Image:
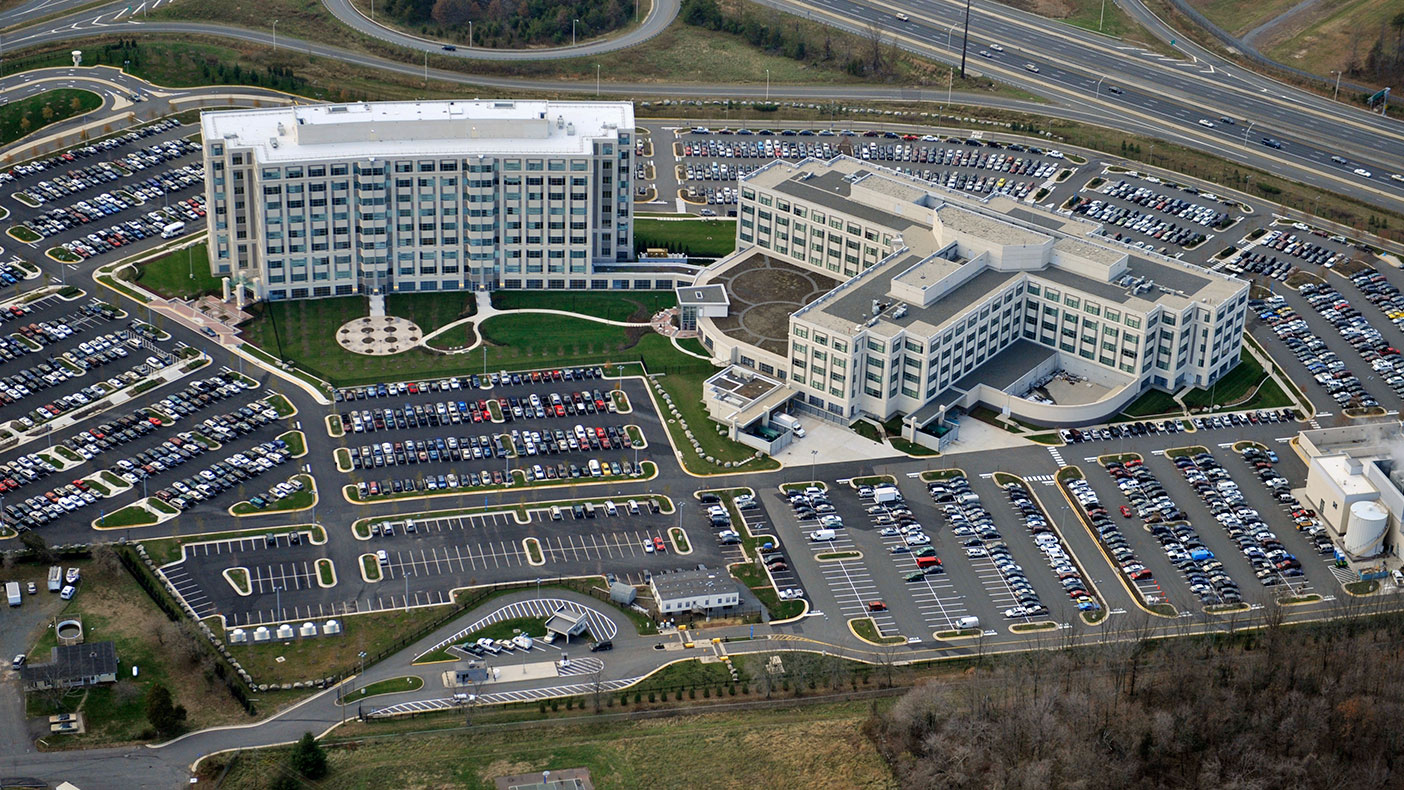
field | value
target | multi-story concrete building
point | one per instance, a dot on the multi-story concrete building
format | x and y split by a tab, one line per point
910	299
337	199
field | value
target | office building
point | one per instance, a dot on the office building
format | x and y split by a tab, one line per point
339	199
699	590
872	293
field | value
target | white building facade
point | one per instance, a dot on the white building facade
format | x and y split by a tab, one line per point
333	200
942	299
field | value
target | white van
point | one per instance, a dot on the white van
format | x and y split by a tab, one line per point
595	468
822	535
383	557
610	509
555	513
633	508
969	621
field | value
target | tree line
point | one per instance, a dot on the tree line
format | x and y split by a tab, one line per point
1307	707
784	35
512	23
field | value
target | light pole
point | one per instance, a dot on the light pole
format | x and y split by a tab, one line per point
1336	94
950	86
949	32
426	68
1103	17
597	80
767	84
1246	131
572	31
275	34
1097	94
813	461
278	597
965	39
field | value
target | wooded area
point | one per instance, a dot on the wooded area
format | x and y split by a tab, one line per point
511	23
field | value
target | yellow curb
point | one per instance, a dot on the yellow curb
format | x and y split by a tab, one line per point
847	555
1036	627
956	636
942	474
304	441
643	437
337	455
334	428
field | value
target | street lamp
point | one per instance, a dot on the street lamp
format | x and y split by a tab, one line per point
1335	95
1097	94
572	31
767	84
949	32
275	34
597	80
278	593
813	461
1246	131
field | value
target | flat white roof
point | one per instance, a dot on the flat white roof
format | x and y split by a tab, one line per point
419	128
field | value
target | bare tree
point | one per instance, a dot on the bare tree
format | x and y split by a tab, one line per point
875	57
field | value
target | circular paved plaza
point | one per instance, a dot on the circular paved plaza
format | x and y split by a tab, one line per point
764	292
377	336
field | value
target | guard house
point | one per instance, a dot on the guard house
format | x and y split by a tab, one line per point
73	666
567	623
708	301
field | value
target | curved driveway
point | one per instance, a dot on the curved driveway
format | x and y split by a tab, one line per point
662	14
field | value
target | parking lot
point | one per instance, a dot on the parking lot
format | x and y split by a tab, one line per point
710	161
120	194
1148	216
566	426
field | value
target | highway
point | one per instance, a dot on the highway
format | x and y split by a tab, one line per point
1076	70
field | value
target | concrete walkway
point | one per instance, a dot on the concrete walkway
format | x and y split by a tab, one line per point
831	443
486	311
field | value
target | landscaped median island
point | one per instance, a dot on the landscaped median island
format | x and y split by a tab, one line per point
326	572
387	686
370	568
296	441
302	498
134	515
865	629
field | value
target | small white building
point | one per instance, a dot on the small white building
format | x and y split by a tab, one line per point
701	590
1356	484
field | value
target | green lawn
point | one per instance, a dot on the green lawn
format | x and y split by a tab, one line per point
299	500
129	516
534	627
296	440
1152	402
303	332
700	238
685	388
1238	17
28	115
614	306
1232	388
324	656
387	686
170	276
432	310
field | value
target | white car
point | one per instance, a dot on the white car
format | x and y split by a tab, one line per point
1206	123
996	48
1017	611
902	18
1360	171
1033	68
648	547
917	539
791	594
976	551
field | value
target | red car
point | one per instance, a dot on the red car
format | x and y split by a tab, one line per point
1126	511
877	606
658	545
1143	573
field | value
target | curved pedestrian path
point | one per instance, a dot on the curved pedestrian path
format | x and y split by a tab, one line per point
662	14
487	311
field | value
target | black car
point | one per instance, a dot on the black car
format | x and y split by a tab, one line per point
600	647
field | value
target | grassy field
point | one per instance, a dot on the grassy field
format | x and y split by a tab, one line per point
1334	36
387	686
774	747
615	306
28	115
314	658
170	276
685	388
1238	17
113	607
680	52
702	238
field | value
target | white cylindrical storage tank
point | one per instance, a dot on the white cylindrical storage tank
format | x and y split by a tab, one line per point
331	627
261	634
238	636
1365	529
308	630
